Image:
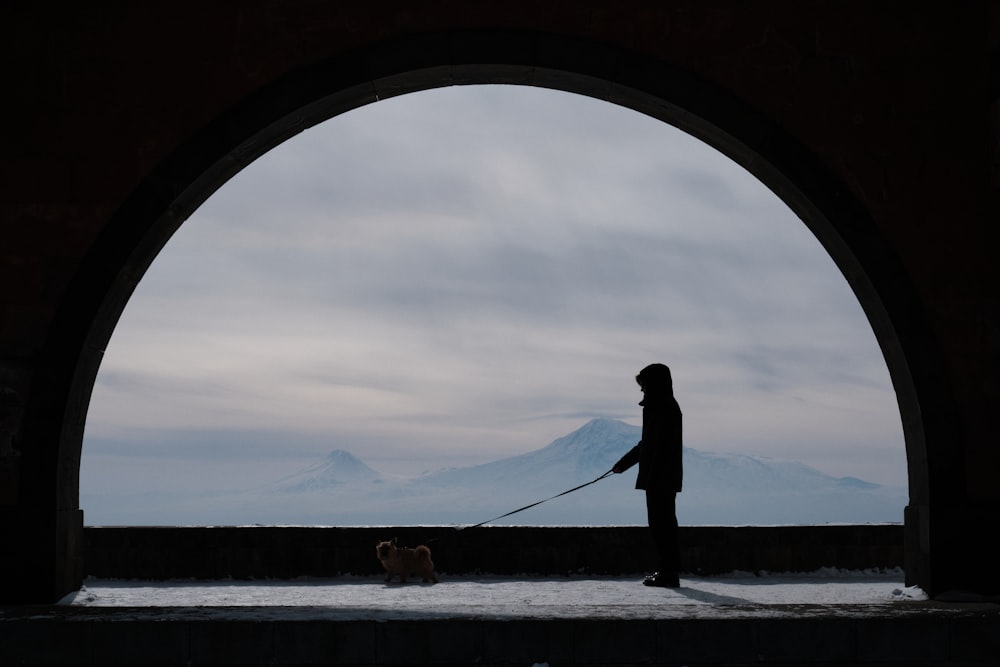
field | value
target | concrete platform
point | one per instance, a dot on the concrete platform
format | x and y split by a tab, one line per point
504	597
832	619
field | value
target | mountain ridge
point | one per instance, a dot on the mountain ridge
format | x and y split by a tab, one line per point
590	450
719	489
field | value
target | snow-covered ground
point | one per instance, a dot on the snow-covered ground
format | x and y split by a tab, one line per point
364	598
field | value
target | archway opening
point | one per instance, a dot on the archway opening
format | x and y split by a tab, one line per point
437	278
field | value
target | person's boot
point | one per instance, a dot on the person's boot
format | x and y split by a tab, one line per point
662	580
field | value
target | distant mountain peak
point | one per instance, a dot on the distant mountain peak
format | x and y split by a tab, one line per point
602	425
340	467
599	433
598	428
342	456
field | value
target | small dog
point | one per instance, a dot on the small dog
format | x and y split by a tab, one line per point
405	562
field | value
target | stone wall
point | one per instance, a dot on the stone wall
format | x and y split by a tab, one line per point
287	552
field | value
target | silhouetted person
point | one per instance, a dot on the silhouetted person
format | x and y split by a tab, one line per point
658	454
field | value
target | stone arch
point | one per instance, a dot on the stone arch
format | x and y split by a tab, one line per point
311	94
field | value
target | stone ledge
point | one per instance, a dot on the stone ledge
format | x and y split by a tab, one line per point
258	552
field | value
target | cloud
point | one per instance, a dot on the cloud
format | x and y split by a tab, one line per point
466	273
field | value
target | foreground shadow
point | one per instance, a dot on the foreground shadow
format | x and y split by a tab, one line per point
710	598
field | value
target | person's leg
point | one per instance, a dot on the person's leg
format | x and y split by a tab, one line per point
661	511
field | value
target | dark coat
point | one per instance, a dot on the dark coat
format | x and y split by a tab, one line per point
658	453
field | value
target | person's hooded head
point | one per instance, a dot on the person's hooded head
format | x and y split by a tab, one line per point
655	380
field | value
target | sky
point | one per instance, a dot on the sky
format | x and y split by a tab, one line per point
459	275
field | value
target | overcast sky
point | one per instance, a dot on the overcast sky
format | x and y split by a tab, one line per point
459	275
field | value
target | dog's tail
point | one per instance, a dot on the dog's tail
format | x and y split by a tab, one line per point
423	552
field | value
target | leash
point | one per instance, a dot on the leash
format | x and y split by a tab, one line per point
521	509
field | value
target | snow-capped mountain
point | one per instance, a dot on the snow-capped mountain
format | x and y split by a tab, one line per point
719	489
339	468
582	455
